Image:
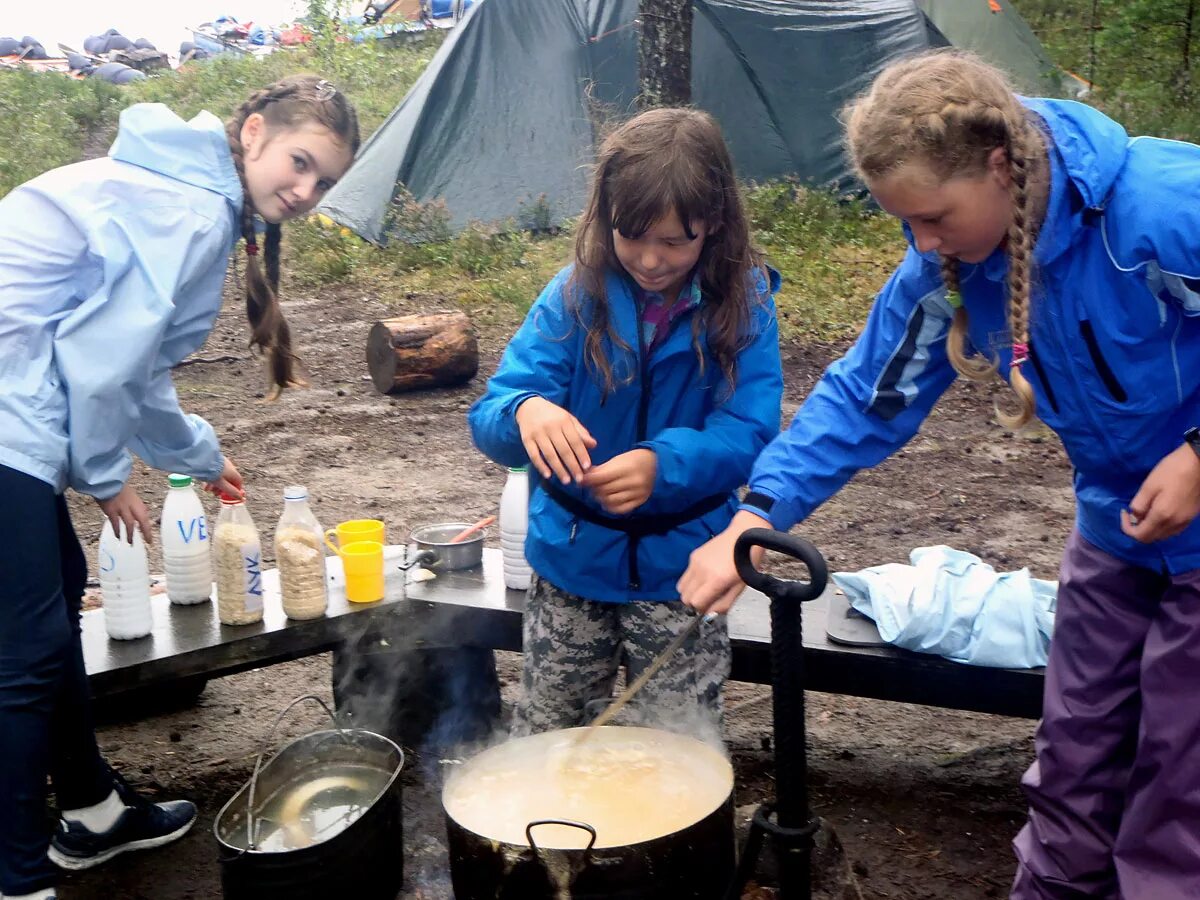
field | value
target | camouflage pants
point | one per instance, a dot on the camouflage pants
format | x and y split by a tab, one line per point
573	648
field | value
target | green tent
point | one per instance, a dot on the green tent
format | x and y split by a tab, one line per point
502	123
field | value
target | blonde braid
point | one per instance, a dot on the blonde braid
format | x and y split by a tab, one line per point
1020	258
975	366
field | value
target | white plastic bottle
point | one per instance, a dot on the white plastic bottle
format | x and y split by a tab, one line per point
187	561
238	553
300	555
125	583
514	522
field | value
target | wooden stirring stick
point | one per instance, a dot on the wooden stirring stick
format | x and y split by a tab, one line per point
471	529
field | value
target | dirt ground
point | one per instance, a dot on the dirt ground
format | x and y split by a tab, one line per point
925	800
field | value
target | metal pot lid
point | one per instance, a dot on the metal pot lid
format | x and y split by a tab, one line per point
629	784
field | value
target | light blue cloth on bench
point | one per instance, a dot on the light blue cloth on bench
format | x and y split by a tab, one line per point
952	604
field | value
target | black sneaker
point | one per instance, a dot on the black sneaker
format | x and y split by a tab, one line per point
141	826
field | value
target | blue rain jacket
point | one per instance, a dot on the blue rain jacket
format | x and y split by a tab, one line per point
704	437
1115	337
950	603
112	272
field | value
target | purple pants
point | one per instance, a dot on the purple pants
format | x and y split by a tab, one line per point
1114	794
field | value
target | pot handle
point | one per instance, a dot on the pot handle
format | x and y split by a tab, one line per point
789	544
568	822
421	558
270	740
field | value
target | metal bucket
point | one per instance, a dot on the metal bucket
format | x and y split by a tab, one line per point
321	818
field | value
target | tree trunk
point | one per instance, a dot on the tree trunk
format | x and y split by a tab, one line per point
412	352
665	53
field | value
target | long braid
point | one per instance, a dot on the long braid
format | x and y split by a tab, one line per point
1020	259
975	366
269	329
288	103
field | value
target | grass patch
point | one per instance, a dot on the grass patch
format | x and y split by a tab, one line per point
834	254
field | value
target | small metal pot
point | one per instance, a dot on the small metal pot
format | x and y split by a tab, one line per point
362	859
435	551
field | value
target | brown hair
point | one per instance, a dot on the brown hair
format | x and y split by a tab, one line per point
949	110
290	103
662	161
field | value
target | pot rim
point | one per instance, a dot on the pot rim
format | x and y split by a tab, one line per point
415	535
727	798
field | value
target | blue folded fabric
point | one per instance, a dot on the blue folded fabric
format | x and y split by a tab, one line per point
952	604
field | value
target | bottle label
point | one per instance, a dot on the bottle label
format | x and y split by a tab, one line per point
192	530
252	562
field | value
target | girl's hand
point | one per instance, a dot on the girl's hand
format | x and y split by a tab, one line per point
557	442
1167	501
624	482
126	506
711	582
229	482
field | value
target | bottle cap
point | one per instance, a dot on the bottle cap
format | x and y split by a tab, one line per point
230	500
177	480
295	492
518	468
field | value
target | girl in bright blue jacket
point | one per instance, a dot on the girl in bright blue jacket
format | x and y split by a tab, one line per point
641	386
112	271
1048	245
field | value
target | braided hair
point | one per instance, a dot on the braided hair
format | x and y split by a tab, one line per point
949	111
290	103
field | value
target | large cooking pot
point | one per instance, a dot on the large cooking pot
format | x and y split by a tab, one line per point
623	814
320	819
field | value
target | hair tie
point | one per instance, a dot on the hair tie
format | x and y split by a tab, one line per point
954	298
251	249
325	90
1020	353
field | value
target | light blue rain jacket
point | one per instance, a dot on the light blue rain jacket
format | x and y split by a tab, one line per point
950	603
703	436
1114	337
110	274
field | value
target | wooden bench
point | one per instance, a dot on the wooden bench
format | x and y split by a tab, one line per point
473	609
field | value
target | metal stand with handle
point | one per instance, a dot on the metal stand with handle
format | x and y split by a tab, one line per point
789	820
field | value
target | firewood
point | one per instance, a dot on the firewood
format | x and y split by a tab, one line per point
422	351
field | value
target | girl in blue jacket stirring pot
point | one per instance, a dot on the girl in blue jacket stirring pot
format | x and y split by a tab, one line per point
112	272
1043	223
641	386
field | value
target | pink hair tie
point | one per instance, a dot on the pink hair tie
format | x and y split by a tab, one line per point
1020	353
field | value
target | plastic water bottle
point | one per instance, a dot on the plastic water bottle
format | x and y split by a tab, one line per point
300	556
238	552
125	583
514	522
187	561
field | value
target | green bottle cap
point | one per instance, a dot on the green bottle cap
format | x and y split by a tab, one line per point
176	480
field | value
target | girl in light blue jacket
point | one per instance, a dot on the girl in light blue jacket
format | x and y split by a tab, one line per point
641	386
111	273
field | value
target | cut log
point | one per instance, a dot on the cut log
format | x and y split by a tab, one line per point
413	352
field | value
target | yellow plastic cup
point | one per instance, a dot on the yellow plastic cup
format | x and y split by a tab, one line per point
356	530
363	565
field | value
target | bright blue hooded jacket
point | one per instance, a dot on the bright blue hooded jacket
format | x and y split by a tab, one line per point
111	273
705	437
1114	336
